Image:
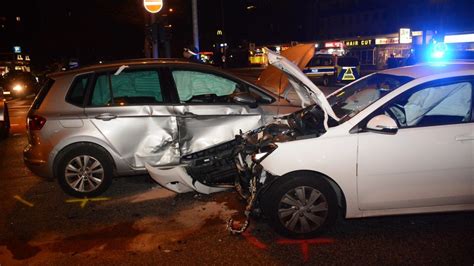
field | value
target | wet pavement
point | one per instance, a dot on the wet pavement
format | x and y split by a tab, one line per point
137	222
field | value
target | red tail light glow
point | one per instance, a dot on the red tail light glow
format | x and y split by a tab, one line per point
35	122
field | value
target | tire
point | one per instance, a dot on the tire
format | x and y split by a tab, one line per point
3	130
287	213
325	81
89	181
5	125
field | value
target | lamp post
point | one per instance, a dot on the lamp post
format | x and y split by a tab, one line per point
195	25
153	7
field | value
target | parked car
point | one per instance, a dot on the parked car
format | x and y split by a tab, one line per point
18	84
87	125
400	141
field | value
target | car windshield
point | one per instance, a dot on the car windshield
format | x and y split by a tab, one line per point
360	94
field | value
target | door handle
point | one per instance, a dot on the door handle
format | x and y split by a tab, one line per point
106	117
464	138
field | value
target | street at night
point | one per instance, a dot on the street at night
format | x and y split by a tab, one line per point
250	132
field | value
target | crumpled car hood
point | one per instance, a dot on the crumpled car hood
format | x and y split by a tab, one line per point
306	90
276	81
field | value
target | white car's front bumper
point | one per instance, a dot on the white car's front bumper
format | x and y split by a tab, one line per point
176	179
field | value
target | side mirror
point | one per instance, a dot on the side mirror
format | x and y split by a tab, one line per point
245	98
382	124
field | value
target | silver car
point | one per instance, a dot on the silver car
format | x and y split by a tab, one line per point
88	125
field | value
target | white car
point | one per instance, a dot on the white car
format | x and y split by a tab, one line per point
400	141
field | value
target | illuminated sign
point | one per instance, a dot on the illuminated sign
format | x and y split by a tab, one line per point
380	41
19	57
219	32
17	49
416	33
359	42
405	35
459	38
333	44
153	6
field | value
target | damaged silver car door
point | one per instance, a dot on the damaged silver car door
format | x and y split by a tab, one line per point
130	108
207	113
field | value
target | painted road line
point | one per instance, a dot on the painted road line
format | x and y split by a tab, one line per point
84	201
253	240
27	203
305	244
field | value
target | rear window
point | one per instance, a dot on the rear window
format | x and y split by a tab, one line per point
77	92
45	86
348	61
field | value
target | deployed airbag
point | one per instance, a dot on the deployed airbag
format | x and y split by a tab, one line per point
450	100
193	83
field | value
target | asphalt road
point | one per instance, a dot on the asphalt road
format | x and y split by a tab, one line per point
137	222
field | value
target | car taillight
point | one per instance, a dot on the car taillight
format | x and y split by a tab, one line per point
35	122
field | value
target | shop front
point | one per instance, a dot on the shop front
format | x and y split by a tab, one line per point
390	49
362	49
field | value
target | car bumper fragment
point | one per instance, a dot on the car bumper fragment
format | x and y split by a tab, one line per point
176	179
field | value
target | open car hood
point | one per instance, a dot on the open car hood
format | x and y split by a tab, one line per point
306	90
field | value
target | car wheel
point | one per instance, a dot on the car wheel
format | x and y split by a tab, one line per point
3	130
5	125
84	171
325	81
300	205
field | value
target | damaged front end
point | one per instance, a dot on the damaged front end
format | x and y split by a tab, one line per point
240	158
237	163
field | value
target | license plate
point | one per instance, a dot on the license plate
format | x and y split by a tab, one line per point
6	93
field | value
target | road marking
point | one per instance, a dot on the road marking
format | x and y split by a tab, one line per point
254	241
85	200
304	244
27	203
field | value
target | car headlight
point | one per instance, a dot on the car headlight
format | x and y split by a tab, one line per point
18	87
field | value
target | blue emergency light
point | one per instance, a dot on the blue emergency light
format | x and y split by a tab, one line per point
438	51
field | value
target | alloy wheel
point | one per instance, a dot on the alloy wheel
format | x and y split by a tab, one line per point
303	209
84	173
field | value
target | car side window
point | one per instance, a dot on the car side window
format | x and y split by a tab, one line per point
134	87
78	89
201	87
431	105
101	95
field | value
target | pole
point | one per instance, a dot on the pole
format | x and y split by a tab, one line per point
154	39
224	63
195	25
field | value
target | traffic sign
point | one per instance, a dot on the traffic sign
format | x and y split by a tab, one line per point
348	75
153	6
